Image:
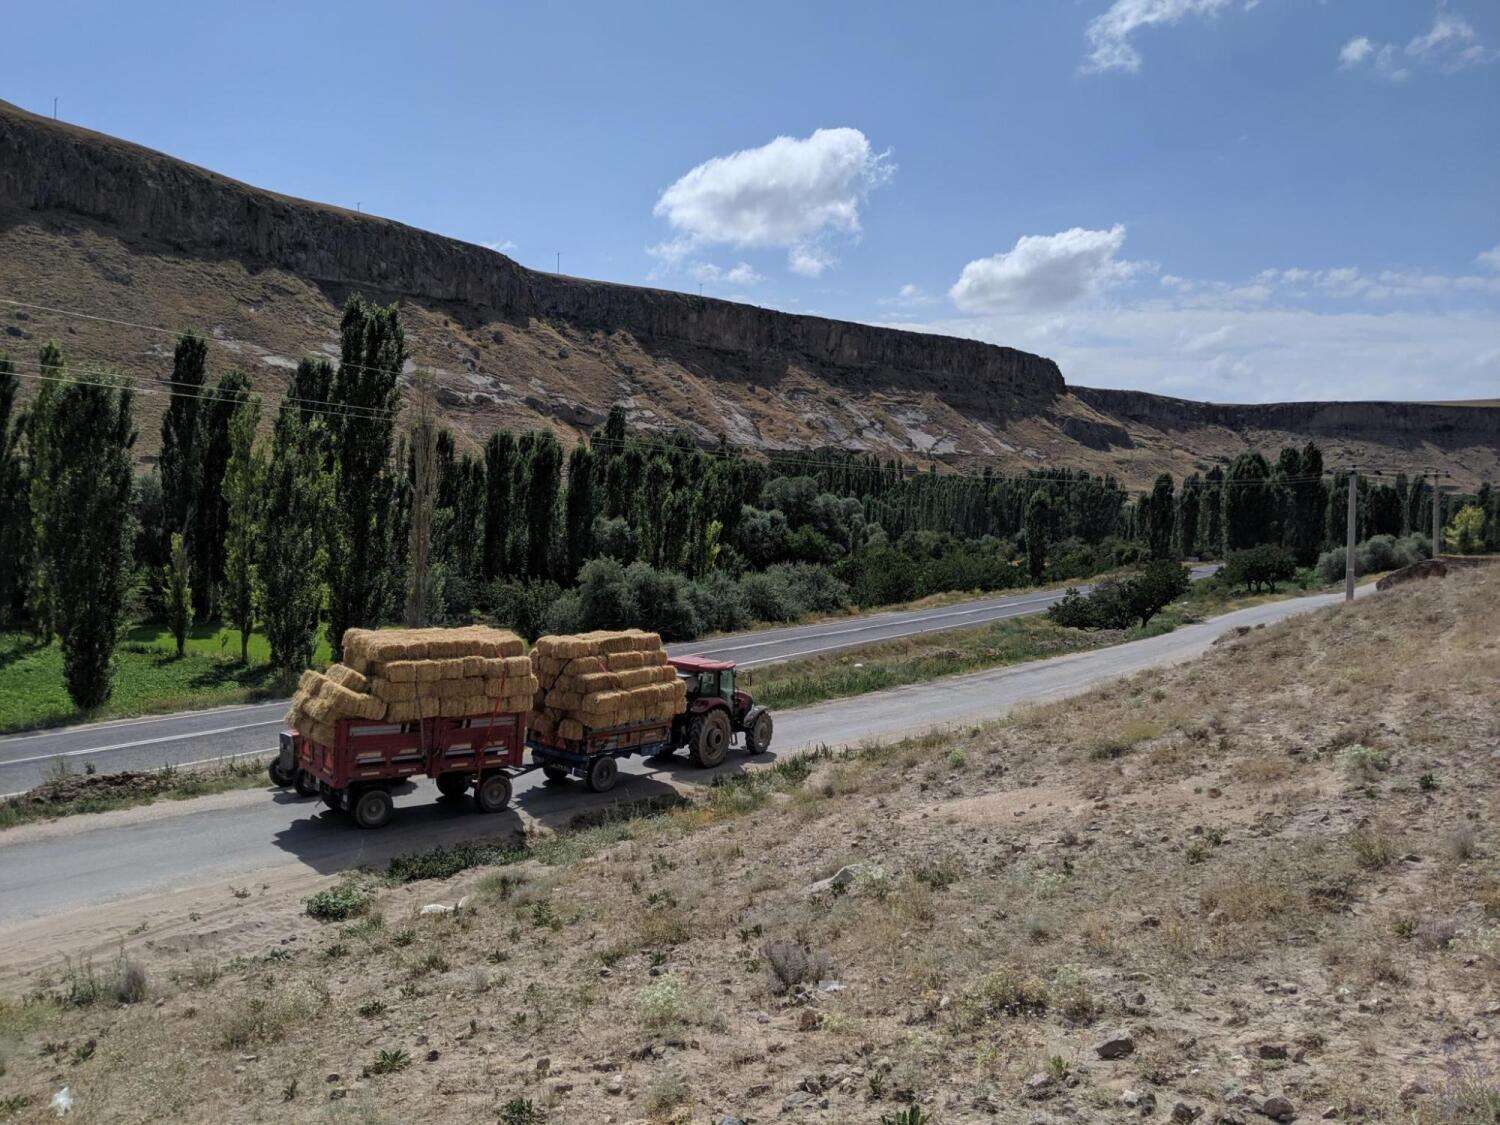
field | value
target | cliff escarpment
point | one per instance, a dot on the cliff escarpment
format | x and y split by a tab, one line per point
94	227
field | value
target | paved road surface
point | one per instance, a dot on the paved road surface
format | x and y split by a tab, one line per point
75	864
225	732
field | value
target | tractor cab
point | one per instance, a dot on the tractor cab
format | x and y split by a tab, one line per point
717	711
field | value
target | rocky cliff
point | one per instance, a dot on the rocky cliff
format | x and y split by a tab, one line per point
93	224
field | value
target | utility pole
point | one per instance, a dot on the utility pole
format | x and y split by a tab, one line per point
1437	517
54	109
559	261
1349	537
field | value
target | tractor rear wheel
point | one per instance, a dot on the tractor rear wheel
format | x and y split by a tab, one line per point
758	734
453	784
493	793
708	739
604	771
306	783
373	808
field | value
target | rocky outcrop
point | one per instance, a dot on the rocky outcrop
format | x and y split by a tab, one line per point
49	167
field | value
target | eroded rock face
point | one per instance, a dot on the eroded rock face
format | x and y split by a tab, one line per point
46	166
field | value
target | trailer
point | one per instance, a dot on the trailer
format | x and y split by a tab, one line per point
594	757
369	761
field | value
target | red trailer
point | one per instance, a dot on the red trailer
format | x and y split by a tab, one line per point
370	759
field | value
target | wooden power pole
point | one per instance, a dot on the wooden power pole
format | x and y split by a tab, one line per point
1349	537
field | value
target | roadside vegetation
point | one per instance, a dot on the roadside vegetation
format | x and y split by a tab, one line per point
1204	887
66	792
360	509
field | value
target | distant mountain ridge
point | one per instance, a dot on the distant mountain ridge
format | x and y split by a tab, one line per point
96	224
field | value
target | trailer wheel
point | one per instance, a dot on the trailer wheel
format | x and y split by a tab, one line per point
708	738
554	774
306	783
758	736
603	774
279	777
493	793
453	784
373	808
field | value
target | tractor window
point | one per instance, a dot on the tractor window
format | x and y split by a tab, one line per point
708	684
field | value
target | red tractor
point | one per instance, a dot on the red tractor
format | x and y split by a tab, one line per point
716	712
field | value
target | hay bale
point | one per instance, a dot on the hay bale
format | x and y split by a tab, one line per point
345	676
625	661
310	682
399	671
392	692
408	710
428	671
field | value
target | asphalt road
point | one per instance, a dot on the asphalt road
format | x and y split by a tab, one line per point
227	732
76	864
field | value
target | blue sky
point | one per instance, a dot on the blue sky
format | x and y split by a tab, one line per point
1238	200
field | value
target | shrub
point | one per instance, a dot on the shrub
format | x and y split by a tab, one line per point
881	575
719	603
445	861
769	596
815	588
790	964
660	1003
523	606
1002	993
349	899
1381	552
1116	603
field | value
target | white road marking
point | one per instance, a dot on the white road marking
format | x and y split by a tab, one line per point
138	742
113	723
835	648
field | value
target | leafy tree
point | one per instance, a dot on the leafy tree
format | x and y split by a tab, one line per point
311	390
1212	541
244	475
651	510
1116	603
366	393
1153	587
1189	510
289	590
1260	566
179	592
544	484
580	510
1248	502
1303	529
1466	531
1038	515
84	497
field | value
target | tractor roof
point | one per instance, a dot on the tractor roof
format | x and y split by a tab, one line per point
700	664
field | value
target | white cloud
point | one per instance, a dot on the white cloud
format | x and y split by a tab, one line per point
1490	259
908	296
739	274
504	247
1109	33
1449	45
1045	271
792	194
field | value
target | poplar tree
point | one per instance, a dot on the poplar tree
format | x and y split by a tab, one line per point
1213	511
210	510
1038	515
244	475
1304	533
178	591
544	484
580	509
1248	502
178	462
499	477
42	470
289	589
84	499
13	508
1189	509
1160	517
366	395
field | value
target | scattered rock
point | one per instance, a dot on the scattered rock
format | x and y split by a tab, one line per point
1272	1051
1183	1113
436	908
615	1084
840	878
1117	1046
807	1020
1038	1086
1278	1109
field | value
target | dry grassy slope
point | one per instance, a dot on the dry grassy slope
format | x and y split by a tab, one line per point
1271	871
93	223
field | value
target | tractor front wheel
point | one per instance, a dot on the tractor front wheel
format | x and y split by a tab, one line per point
373	808
279	777
708	739
758	734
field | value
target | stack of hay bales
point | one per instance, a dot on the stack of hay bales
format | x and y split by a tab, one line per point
404	675
602	679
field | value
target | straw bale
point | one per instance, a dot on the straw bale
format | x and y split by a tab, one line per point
409	710
570	728
398	671
391	691
310	682
515	666
625	661
644	642
345	676
428	671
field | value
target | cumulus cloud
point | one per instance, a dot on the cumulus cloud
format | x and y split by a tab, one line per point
1045	271
1490	258
503	246
739	274
793	194
909	295
1108	34
1451	44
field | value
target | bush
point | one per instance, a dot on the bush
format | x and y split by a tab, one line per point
347	900
1255	567
768	596
790	964
523	606
881	575
1381	552
661	603
718	602
1117	603
815	588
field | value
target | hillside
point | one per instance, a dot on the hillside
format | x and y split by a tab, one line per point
94	224
1260	885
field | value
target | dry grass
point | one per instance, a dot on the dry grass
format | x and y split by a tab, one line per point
1196	856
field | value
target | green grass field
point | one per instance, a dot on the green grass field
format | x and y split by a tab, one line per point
149	677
